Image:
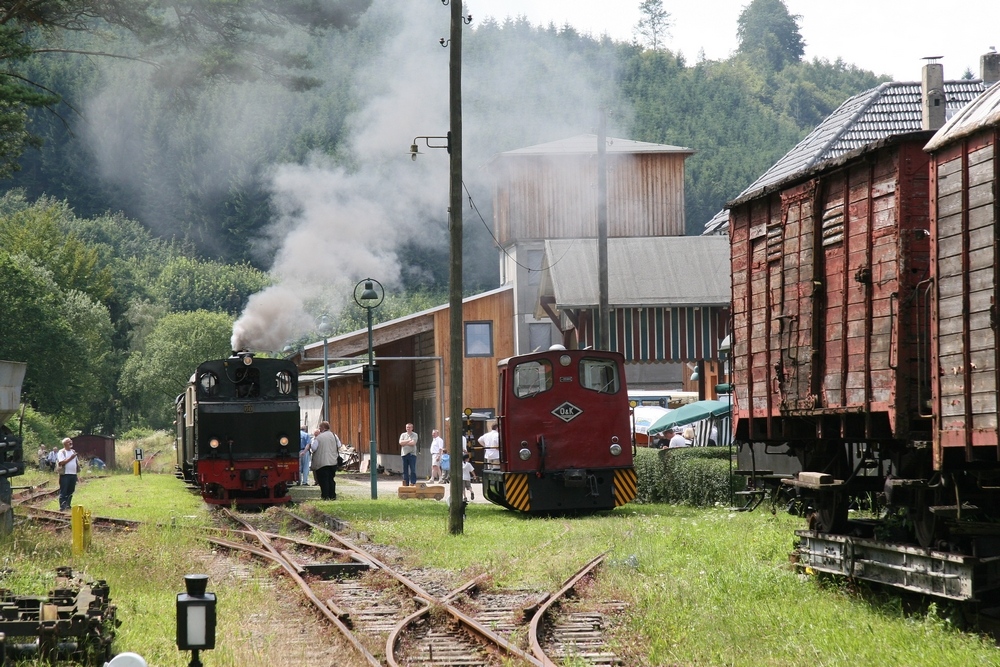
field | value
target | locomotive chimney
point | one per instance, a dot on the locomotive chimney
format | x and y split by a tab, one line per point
932	91
989	67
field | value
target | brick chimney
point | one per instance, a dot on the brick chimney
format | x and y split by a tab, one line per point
932	91
989	67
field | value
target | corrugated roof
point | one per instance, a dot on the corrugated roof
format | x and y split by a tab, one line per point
887	110
584	144
650	271
982	112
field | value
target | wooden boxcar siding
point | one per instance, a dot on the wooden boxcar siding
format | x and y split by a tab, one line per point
479	380
965	232
660	334
551	197
824	314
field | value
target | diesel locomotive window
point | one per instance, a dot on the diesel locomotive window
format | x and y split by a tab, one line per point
599	375
284	382
208	383
532	377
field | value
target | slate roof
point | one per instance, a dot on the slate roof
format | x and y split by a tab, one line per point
889	109
663	271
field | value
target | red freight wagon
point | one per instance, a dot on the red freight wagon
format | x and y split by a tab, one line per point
964	355
831	319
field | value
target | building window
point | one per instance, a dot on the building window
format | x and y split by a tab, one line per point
539	336
479	339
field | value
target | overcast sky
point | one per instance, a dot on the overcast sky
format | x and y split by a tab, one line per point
884	36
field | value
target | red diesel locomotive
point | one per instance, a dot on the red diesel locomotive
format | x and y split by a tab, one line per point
565	437
238	430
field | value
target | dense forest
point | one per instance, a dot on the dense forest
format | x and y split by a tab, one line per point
166	161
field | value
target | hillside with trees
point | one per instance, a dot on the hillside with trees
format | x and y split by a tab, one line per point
156	164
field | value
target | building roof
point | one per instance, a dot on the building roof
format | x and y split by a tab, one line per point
981	112
665	271
889	109
586	144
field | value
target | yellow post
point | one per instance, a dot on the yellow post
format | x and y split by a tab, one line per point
136	469
80	523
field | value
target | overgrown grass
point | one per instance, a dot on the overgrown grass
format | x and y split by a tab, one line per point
705	586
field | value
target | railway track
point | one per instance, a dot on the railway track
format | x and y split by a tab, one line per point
398	618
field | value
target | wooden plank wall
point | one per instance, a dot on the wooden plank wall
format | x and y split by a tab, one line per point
480	376
818	282
965	264
550	197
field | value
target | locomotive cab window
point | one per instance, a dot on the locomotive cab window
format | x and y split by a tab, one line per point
209	384
599	375
532	377
247	383
284	382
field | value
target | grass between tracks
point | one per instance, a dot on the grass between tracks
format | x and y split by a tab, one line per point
706	586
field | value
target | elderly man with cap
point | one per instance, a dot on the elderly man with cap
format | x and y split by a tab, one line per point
676	439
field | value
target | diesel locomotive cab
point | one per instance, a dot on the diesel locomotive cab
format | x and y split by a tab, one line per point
565	436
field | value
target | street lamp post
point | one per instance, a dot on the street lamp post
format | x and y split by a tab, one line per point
324	330
368	297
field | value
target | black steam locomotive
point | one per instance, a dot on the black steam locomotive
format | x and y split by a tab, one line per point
237	430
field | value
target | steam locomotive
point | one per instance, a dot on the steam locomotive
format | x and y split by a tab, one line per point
565	437
865	351
237	430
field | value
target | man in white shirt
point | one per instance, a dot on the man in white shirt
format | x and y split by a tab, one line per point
437	449
676	439
68	467
491	444
408	452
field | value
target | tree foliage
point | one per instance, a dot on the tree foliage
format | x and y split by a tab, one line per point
157	372
654	24
769	35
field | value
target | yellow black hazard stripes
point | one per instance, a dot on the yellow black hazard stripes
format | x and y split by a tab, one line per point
516	491
625	486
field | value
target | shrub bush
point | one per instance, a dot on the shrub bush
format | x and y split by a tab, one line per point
696	476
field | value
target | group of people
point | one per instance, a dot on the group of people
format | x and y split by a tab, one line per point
673	437
65	461
320	453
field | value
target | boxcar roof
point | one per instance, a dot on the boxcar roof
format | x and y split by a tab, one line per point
981	112
651	271
892	108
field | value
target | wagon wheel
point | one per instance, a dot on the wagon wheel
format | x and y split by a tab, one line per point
927	528
831	513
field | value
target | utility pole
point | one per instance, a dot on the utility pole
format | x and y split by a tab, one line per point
456	519
604	310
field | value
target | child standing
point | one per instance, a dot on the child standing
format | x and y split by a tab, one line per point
468	474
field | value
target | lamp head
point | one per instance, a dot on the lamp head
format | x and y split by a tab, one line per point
414	151
369	294
695	377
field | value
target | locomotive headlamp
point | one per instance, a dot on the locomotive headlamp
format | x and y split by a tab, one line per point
283	441
564	360
214	443
525	453
247	360
616	449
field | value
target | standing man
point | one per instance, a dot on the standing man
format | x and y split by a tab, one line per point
408	450
491	445
68	468
437	449
325	451
305	455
